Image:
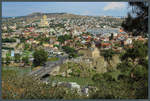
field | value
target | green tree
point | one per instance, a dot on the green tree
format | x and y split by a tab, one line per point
3	59
17	57
40	57
125	68
139	51
108	54
25	60
134	68
8	59
71	51
56	46
8	40
137	24
111	37
137	19
26	46
98	78
63	38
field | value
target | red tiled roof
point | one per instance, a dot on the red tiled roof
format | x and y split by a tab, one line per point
25	31
105	44
121	30
31	39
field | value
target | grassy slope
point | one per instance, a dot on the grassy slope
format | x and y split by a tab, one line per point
79	80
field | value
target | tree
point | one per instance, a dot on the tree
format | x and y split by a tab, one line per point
56	46
137	20
17	57
125	68
140	72
71	51
8	59
88	45
135	68
40	57
98	78
63	38
111	37
139	51
8	40
3	59
25	60
133	57
26	46
108	54
44	39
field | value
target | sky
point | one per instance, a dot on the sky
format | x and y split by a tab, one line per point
13	9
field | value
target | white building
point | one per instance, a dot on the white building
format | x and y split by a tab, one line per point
12	53
115	34
85	91
128	41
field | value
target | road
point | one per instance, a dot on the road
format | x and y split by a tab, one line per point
44	70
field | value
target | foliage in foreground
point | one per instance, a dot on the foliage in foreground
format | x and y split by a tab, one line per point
27	88
137	19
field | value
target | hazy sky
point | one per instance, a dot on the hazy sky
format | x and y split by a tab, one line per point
11	9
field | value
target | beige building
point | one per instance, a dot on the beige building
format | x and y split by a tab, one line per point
95	52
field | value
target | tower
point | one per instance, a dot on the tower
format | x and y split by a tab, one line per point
95	52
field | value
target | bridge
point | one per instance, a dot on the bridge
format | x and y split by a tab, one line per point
47	68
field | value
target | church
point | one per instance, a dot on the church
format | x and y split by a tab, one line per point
44	21
92	52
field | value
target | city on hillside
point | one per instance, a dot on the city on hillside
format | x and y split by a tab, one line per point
72	56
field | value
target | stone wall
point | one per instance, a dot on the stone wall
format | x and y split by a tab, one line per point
55	71
98	63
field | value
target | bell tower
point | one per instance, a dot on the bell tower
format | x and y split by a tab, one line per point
95	52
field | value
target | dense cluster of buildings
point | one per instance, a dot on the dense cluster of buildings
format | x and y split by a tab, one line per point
84	31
